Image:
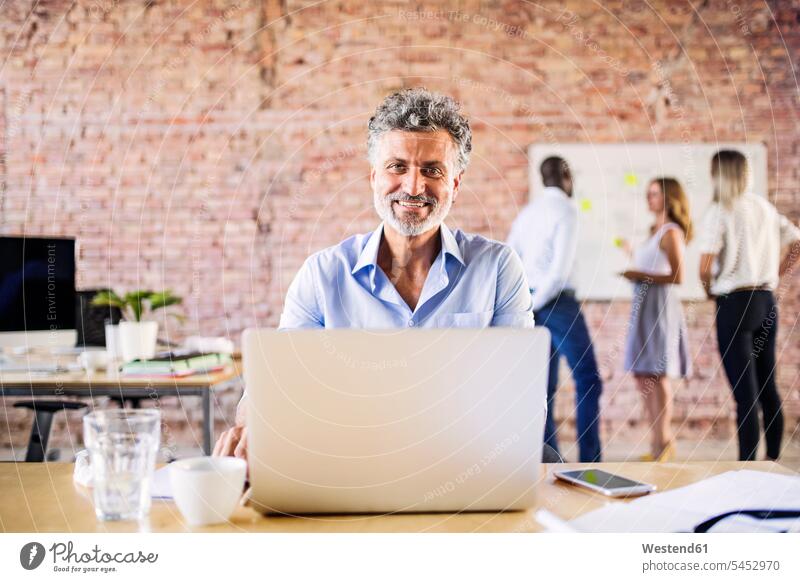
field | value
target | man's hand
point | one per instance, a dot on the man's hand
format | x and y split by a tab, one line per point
232	443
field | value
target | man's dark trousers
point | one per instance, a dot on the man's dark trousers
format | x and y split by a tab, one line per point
570	338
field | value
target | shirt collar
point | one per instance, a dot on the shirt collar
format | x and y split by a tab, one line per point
369	254
556	191
450	245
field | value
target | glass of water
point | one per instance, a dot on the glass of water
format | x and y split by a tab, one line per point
122	448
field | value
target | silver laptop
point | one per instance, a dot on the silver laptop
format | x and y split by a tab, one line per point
356	421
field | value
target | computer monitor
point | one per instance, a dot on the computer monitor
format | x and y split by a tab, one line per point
37	292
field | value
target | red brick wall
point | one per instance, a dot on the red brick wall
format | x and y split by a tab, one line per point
209	146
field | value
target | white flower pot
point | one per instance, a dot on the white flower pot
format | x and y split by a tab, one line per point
137	339
112	342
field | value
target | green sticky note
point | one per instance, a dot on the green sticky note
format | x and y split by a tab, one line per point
631	179
585	204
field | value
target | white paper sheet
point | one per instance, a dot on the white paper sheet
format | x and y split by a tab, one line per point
161	488
683	508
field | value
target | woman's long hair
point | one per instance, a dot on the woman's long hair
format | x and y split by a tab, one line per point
676	205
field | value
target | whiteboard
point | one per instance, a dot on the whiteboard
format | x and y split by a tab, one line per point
610	186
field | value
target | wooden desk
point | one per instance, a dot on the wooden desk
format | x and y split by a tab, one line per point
39	497
113	384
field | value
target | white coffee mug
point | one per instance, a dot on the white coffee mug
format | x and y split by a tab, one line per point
207	489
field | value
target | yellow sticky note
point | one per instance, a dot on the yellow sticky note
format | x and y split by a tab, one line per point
585	204
617	242
631	179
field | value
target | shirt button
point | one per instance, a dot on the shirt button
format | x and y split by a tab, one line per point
410	323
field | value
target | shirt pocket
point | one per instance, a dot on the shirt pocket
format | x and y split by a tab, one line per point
477	319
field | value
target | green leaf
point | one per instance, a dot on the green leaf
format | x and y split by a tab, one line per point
108	299
135	304
137	301
164	299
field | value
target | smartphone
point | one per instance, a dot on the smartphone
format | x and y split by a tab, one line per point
605	483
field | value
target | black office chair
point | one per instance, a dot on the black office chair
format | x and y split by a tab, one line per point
550	455
90	323
44	410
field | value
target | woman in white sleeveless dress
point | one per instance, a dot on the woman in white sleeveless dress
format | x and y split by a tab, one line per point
657	346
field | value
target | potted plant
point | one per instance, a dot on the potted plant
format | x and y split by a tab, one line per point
136	336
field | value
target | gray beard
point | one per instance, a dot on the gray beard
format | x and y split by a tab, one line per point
411	227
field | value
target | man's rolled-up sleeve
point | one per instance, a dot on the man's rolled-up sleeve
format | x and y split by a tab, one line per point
512	306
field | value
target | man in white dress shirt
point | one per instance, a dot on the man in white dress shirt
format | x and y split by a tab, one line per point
545	236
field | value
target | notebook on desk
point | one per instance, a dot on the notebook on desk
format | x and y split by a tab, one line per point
11	366
176	364
37	369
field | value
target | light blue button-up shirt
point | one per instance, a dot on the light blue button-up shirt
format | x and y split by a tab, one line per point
473	282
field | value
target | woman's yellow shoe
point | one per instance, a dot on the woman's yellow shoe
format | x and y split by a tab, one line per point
647	458
667	453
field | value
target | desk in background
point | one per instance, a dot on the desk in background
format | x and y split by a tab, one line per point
41	497
16	384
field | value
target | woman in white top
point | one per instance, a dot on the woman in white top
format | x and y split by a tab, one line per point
657	345
740	266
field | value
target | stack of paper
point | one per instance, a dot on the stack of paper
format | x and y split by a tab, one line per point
683	508
177	364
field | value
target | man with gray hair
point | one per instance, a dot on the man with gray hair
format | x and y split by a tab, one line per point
412	270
